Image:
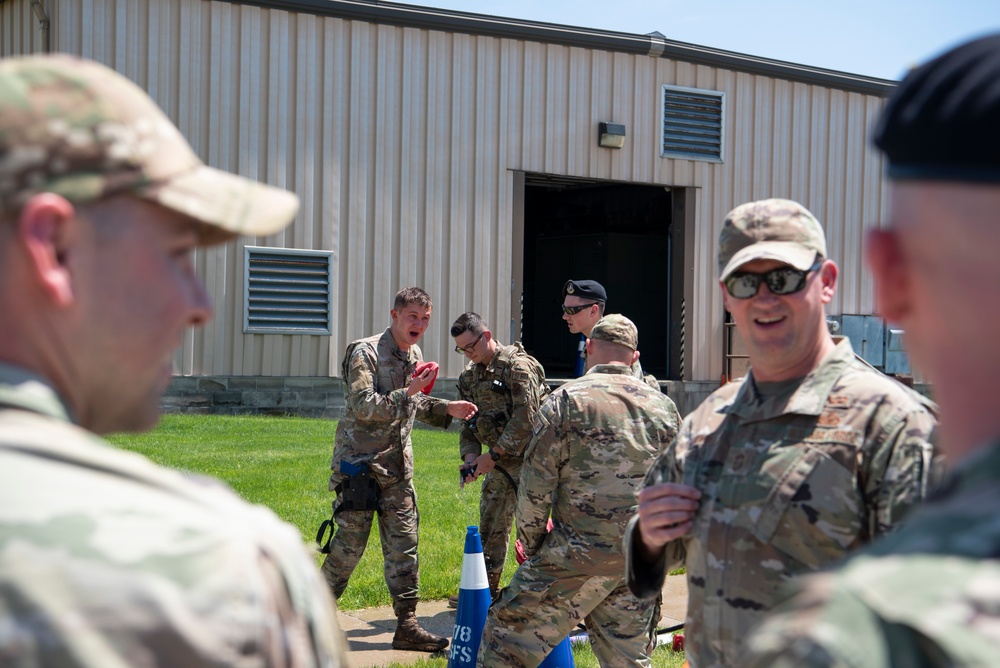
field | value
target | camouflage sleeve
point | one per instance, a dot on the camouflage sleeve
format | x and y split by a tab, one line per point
645	578
897	475
365	401
647	378
432	410
307	632
674	418
543	458
468	440
526	393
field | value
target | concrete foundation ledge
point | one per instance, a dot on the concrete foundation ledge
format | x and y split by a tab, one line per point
322	397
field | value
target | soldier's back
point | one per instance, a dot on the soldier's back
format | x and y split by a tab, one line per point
612	397
613	426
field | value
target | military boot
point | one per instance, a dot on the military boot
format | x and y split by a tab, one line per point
410	636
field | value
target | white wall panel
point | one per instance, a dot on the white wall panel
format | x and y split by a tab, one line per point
402	142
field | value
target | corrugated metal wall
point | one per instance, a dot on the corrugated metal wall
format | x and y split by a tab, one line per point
402	144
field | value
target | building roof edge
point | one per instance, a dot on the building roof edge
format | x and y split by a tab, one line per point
653	44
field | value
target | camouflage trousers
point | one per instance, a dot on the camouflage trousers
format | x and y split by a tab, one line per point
497	503
398	520
544	602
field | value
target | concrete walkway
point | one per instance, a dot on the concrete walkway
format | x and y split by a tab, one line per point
369	631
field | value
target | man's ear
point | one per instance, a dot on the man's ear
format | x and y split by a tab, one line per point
888	264
47	230
635	357
828	274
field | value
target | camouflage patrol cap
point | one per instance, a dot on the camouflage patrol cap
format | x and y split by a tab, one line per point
81	130
616	328
770	229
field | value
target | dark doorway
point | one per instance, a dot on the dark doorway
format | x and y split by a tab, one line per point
617	234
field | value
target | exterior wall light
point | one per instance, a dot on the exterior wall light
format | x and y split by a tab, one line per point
611	135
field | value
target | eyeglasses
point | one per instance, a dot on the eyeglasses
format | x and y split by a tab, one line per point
468	350
573	310
780	281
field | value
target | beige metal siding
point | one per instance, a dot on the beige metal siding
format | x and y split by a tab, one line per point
20	32
403	144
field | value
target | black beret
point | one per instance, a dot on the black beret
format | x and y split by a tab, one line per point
943	121
585	289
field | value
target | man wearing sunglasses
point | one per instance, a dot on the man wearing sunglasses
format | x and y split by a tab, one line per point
927	595
785	471
583	305
507	385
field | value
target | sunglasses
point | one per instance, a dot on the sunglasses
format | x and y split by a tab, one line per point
780	281
573	310
469	349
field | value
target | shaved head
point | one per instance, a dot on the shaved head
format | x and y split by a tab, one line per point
937	271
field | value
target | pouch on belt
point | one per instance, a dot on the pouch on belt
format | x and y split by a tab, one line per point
358	490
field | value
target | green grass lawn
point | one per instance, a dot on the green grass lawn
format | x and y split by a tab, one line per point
284	463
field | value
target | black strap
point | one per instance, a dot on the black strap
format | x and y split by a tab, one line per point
510	479
324	547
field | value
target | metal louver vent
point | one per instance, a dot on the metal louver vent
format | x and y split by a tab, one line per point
692	123
288	291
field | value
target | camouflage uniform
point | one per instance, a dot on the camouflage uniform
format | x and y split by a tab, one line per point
503	421
593	440
647	378
929	594
109	560
375	432
789	485
923	597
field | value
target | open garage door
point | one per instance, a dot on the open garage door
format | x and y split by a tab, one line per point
616	233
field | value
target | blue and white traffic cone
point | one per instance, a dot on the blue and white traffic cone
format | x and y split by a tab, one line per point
473	603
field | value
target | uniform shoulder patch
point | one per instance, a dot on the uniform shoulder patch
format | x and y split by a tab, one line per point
540	423
547	412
